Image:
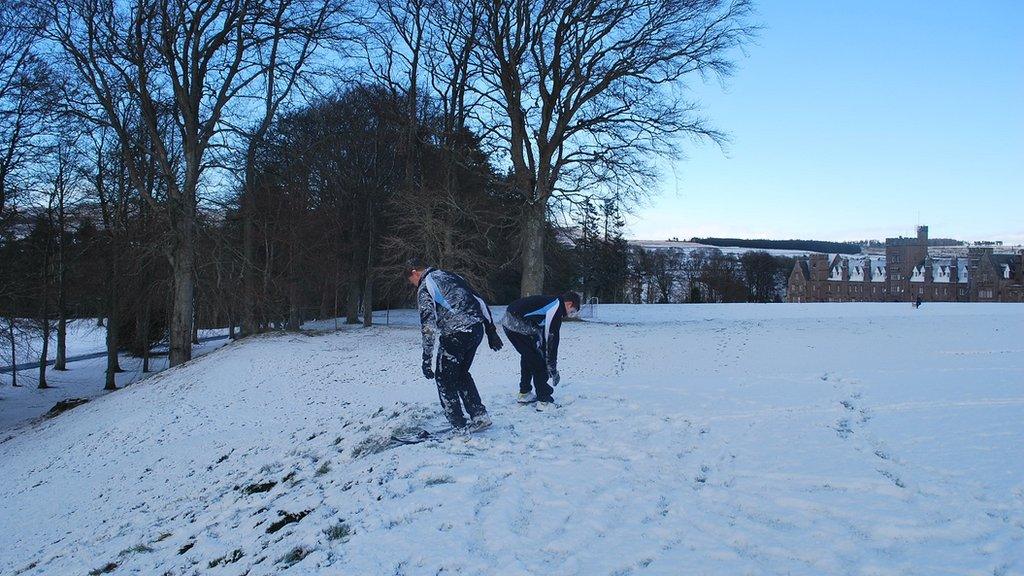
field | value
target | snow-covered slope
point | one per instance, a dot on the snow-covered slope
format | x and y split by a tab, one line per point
687	247
85	376
717	439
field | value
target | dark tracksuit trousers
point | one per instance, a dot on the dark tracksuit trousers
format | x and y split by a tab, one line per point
455	385
532	365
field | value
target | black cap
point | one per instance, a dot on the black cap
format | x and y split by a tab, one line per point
573	297
414	263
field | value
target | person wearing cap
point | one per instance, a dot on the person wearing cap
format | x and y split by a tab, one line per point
531	325
458	314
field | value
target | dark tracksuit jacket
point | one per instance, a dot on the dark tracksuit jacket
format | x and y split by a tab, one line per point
459	316
532	324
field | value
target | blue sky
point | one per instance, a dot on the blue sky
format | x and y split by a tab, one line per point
860	119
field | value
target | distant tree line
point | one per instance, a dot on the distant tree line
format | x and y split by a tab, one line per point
171	165
666	276
809	245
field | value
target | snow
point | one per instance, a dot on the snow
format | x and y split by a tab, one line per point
83	379
857	268
688	247
690	439
83	337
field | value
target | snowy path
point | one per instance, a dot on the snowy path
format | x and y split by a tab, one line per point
733	439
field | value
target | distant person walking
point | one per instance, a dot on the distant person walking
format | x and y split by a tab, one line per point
532	325
450	307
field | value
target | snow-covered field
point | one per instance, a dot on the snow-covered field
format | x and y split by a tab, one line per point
695	439
83	379
83	337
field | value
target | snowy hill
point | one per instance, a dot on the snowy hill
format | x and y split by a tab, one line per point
687	247
697	439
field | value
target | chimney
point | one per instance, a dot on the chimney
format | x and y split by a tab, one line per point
922	235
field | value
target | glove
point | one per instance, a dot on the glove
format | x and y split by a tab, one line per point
428	372
555	377
493	340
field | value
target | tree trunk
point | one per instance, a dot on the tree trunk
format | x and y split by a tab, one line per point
534	228
45	317
368	283
248	258
352	302
46	350
113	322
145	337
183	269
294	313
62	313
325	301
14	350
112	335
62	338
142	325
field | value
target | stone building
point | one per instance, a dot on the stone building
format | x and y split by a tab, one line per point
907	272
902	255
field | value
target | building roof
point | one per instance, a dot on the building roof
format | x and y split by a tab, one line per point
873	266
878	271
1006	264
942	270
804	269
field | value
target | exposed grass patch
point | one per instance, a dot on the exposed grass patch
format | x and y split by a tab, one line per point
440	480
339	531
370	445
106	569
234	556
324	468
286	519
258	488
137	549
296	555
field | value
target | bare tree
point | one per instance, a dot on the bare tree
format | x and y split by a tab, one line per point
664	275
62	174
585	92
759	269
296	30
191	58
22	77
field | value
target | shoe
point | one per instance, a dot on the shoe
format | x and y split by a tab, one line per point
542	406
526	397
481	422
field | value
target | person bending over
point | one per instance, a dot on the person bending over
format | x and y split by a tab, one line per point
458	314
532	324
